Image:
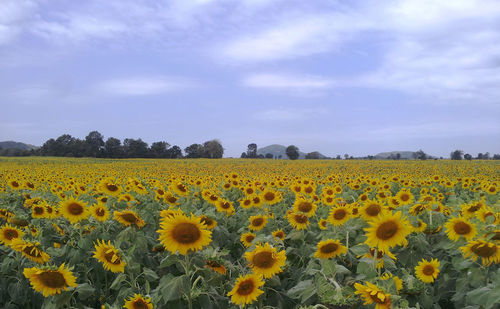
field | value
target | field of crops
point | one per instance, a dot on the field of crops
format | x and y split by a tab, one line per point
85	233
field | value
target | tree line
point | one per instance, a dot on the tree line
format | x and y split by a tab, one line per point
95	146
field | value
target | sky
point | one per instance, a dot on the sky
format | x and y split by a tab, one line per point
356	77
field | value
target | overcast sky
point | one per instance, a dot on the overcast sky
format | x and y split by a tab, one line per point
357	77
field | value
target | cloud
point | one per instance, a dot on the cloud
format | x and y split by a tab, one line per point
290	114
139	86
14	15
287	82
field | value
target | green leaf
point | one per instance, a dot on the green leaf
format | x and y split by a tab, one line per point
85	290
150	274
172	288
118	280
168	261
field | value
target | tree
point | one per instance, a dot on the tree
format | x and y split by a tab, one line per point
292	152
479	156
174	152
338	157
194	151
252	151
269	156
113	148
213	149
159	149
420	155
313	155
456	155
467	157
243	155
496	156
346	156
94	143
135	148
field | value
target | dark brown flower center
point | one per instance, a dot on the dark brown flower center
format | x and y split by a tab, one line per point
299	218
377	300
246	287
53	279
339	214
139	304
39	210
263	259
100	212
32	251
249	238
305	206
75	209
206	220
129	217
462	228
186	233
428	270
405	197
329	248
181	187
387	230
257	221
110	256
10	234
269	196
373	210
484	250
112	187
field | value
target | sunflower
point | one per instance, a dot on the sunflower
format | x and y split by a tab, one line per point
305	206
171	199
265	260
138	302
109	256
257	223
278	234
456	227
387	231
398	283
427	271
489	252
329	248
180	189
372	294
217	267
380	256
110	187
247	238
298	220
8	233
371	210
128	217
38	211
224	206
421	226
74	210
100	212
246	289
246	203
271	197
182	233
322	224
405	197
338	215
30	250
50	281
209	222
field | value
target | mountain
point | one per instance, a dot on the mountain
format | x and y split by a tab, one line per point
280	150
16	145
404	155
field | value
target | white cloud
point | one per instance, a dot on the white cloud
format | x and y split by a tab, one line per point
287	82
290	114
14	14
142	86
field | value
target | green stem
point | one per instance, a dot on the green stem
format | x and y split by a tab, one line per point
187	269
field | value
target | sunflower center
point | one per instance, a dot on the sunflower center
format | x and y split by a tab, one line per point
405	197
246	287
52	278
100	212
279	235
225	205
75	209
15	184
112	187
462	228
269	196
160	192
171	199
380	254
339	214
484	250
10	234
263	259
104	199
387	230
39	210
300	218
375	298
305	206
474	208
129	217
257	221
181	187
249	238
110	256
428	270
373	210
308	189
329	248
207	221
32	251
186	233
139	304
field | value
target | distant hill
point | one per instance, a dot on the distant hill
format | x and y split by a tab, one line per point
280	150
404	155
16	145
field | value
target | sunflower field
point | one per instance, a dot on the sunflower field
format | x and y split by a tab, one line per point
229	233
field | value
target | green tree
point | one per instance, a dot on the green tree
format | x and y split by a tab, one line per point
159	149
113	148
292	152
94	143
252	150
194	151
313	155
456	155
213	149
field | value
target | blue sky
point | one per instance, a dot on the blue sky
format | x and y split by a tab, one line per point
357	77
